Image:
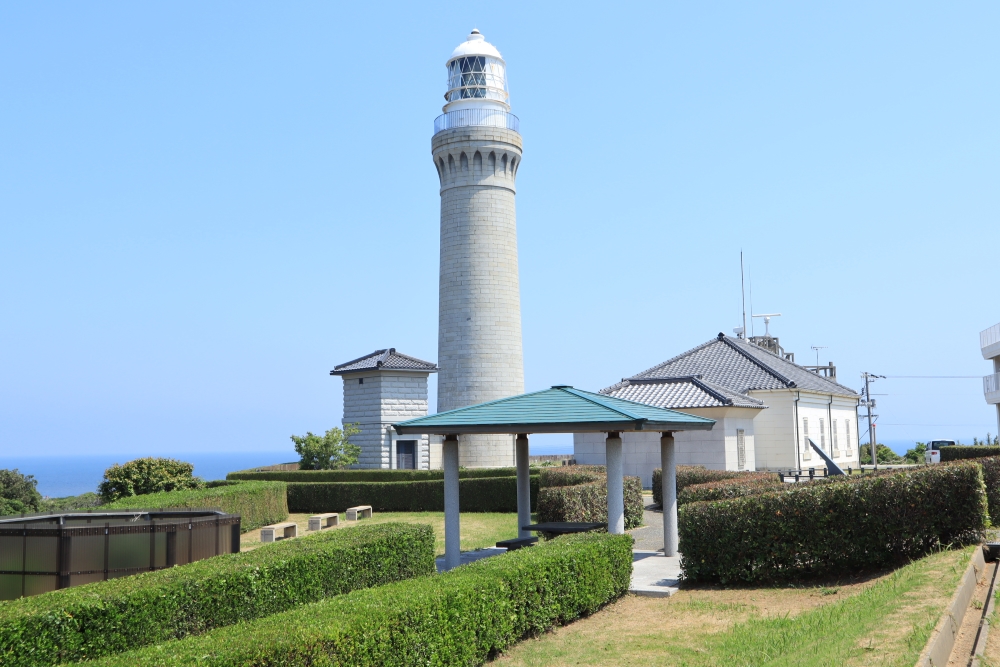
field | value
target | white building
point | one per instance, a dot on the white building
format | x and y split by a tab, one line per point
989	345
381	389
766	405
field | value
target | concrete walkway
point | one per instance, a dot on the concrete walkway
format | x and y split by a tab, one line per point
472	556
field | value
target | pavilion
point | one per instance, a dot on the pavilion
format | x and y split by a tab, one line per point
561	409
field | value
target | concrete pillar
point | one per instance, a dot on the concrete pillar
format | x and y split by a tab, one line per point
668	482
523	485
616	484
452	530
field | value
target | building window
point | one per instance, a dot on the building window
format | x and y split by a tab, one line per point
822	434
847	437
406	454
806	449
741	449
836	443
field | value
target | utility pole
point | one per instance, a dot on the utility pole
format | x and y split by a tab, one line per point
869	403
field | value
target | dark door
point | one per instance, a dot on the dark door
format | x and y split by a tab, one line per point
406	454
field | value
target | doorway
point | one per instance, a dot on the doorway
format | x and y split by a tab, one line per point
406	454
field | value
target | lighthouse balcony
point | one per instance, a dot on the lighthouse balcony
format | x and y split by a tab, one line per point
476	118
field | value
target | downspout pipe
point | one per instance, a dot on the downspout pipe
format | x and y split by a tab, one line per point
795	416
829	417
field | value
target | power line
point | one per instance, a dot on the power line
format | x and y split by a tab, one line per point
933	377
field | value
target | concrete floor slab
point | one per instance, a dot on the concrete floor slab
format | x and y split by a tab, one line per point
653	574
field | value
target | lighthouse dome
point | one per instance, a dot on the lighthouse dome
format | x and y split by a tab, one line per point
477	76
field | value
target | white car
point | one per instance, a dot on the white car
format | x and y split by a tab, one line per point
933	453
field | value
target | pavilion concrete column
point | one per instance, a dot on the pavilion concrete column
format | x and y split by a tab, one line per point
452	530
523	484
616	484
668	486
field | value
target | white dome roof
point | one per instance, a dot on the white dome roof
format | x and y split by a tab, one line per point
475	45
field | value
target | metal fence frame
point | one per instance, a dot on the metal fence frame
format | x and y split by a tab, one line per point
49	546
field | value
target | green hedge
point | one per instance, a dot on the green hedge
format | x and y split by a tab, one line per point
832	529
257	503
691	475
462	617
370	475
123	614
482	494
967	452
580	493
744	485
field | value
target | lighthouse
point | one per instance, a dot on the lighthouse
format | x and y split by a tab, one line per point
477	154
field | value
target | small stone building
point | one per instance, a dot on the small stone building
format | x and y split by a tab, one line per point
381	389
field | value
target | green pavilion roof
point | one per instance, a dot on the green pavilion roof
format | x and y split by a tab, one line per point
561	409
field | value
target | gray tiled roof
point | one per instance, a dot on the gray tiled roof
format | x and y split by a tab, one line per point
679	393
385	360
741	366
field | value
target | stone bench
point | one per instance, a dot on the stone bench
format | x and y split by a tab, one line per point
287	529
321	521
359	512
517	543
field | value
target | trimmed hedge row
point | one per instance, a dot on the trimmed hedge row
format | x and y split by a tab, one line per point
582	495
370	475
967	452
482	494
744	485
835	528
462	617
257	503
123	614
691	475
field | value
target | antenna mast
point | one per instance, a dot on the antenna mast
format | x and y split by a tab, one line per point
743	293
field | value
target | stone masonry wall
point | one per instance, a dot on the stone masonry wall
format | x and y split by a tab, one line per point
479	324
383	399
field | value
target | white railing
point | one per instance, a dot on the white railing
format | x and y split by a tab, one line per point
476	118
991	383
989	337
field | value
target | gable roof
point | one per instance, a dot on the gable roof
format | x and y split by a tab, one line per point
679	393
385	360
741	366
561	409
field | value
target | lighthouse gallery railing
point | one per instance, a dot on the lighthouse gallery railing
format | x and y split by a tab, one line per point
476	118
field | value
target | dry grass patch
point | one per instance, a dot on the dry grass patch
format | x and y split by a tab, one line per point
817	625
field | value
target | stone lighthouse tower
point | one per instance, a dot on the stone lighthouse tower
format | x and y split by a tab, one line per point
477	153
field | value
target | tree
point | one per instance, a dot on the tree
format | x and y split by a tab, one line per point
147	475
18	493
885	455
332	451
915	455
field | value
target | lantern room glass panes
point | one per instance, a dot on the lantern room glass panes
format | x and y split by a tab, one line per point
476	77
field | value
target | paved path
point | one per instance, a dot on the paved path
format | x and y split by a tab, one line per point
472	556
649	537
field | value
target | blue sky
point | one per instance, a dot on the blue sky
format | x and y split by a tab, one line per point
205	207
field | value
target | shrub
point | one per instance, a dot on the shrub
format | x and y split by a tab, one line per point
122	614
462	617
884	454
18	493
832	529
257	503
369	475
580	493
146	475
689	476
745	485
967	452
476	494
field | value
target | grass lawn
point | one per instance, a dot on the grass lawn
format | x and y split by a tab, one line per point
885	620
478	529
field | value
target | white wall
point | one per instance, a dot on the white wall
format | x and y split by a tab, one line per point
781	438
715	449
